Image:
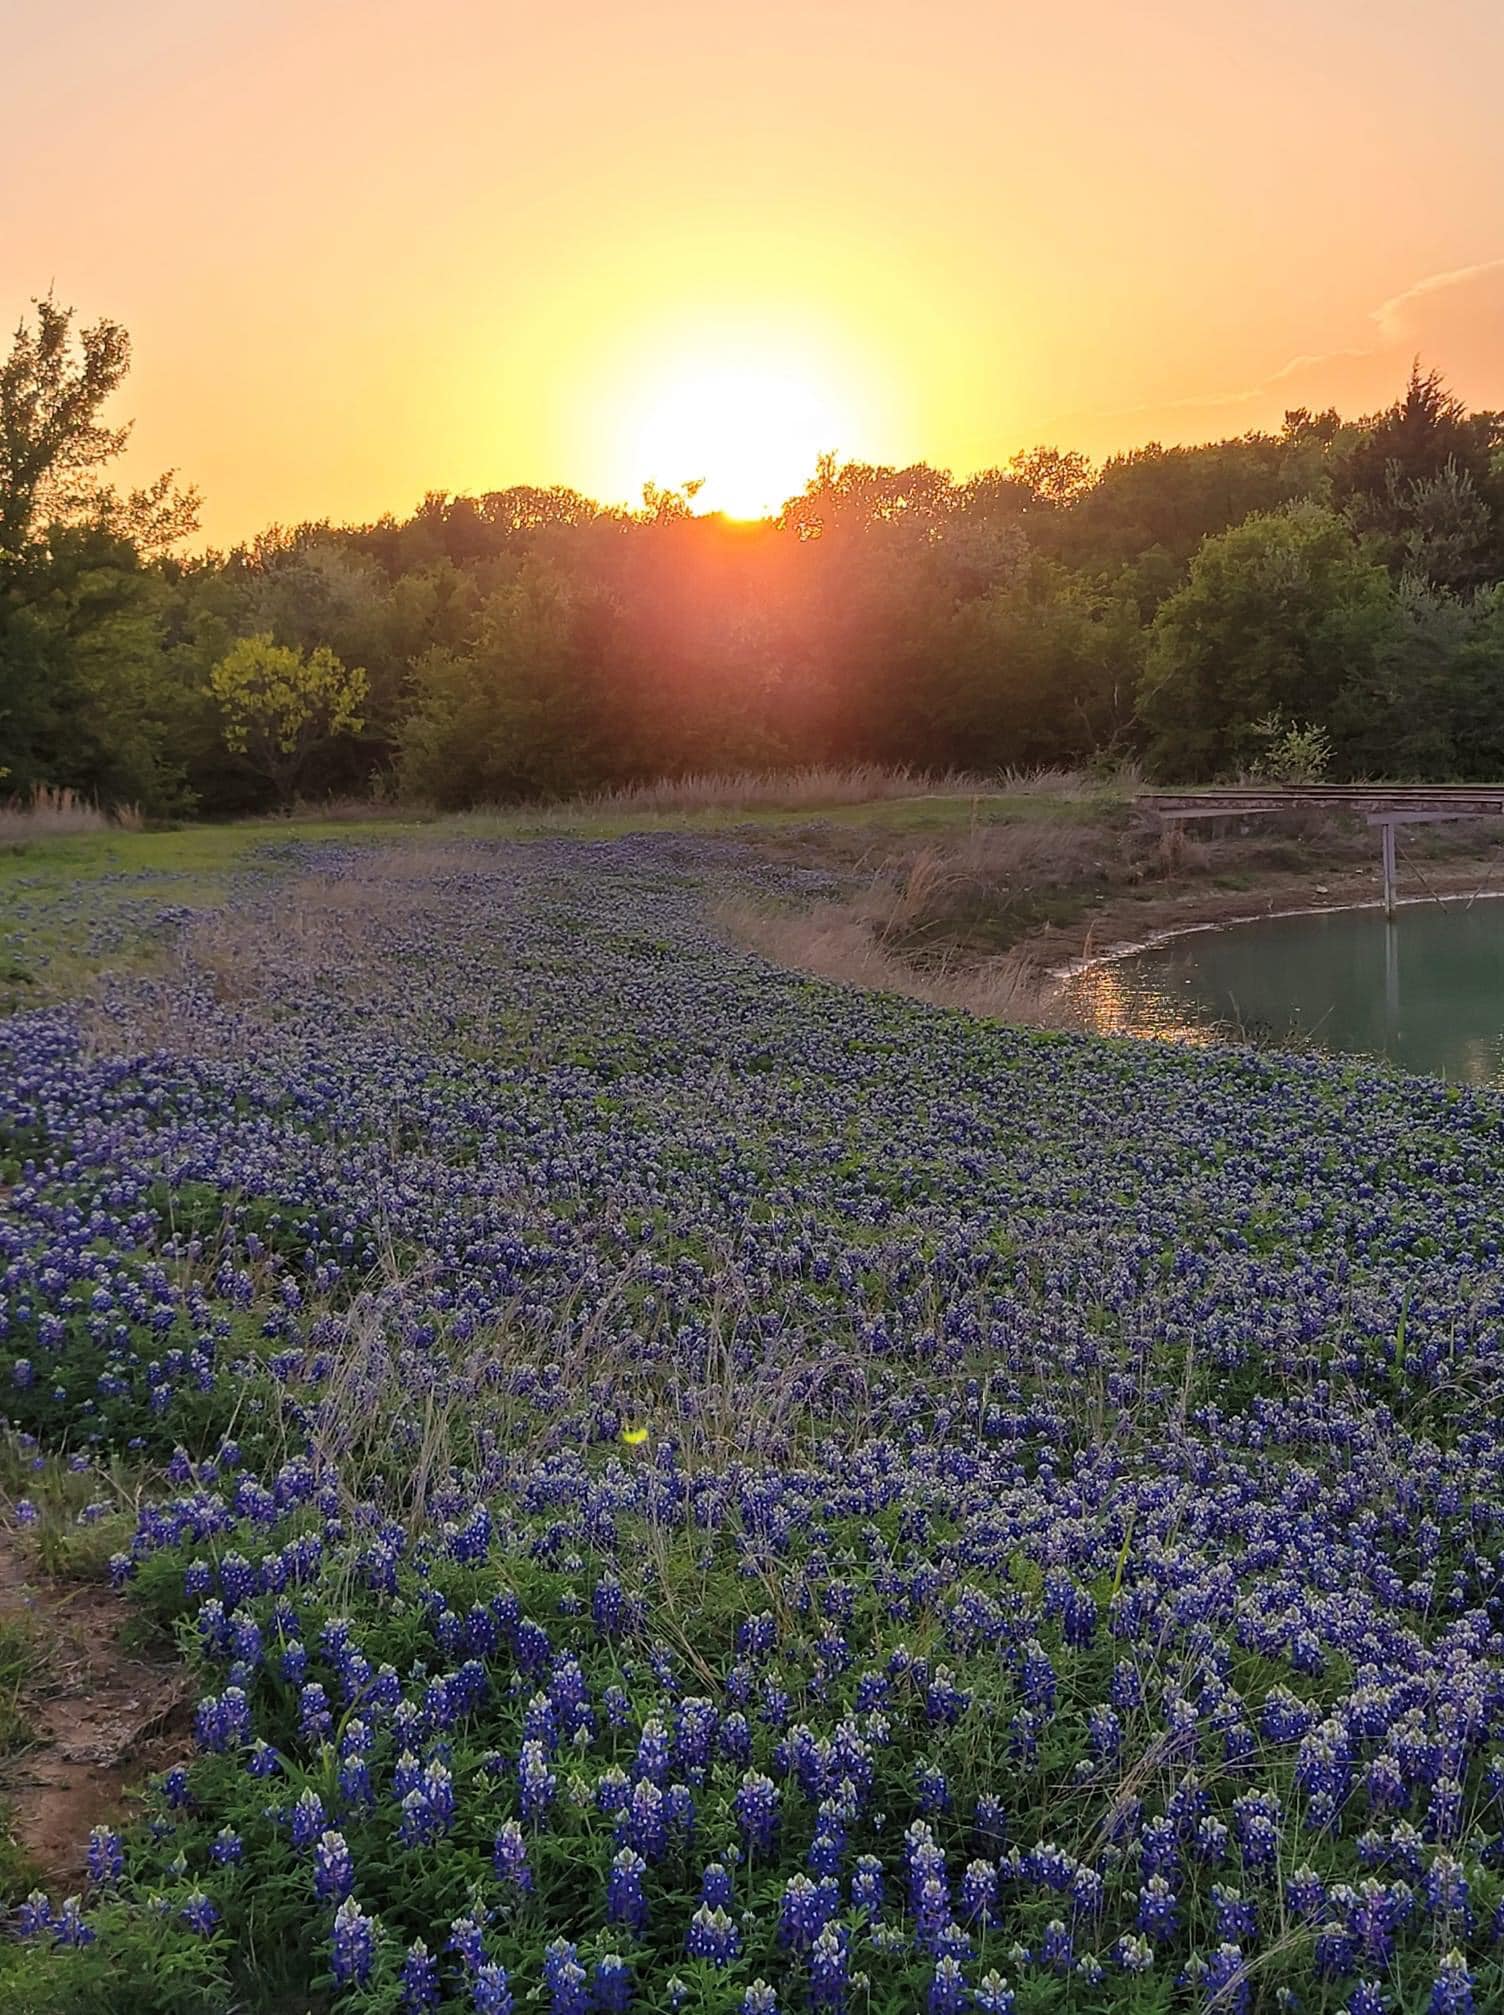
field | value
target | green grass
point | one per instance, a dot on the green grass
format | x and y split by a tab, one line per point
941	813
20	1660
127	878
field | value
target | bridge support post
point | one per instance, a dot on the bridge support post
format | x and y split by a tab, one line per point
1387	830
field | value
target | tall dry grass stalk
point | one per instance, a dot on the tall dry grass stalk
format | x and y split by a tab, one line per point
837	941
59	813
991	867
350	809
804	789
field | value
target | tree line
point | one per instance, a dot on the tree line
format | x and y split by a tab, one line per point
1333	591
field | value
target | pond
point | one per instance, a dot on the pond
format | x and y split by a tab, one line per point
1425	991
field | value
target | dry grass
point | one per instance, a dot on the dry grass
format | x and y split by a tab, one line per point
352	810
993	868
1074	786
58	814
774	790
838	941
312	929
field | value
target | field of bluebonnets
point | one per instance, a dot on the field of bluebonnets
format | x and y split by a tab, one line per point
687	1488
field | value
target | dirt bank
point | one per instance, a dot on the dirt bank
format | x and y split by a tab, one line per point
99	1715
1117	925
987	918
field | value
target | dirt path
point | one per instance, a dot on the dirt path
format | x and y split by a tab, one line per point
102	1716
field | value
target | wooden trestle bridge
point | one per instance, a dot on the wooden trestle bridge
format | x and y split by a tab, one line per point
1385	806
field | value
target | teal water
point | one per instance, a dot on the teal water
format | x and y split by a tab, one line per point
1425	991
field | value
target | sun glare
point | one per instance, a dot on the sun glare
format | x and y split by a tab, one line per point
750	431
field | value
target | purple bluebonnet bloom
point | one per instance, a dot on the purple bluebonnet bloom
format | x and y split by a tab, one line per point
625	1902
105	1857
333	1868
353	1944
199	1913
565	1979
713	1935
419	1980
509	1856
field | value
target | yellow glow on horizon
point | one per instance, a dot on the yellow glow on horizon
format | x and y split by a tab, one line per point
747	426
824	198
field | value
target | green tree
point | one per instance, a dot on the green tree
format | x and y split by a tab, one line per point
87	695
54	443
1162	502
1038	671
511	713
280	705
1420	481
1278	615
1478	689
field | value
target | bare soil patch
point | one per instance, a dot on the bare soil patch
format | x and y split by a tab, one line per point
101	1714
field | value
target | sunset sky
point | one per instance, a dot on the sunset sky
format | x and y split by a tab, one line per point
372	248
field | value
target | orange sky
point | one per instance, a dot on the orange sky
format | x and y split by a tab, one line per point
369	248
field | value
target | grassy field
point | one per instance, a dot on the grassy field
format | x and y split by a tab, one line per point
73	903
669	1485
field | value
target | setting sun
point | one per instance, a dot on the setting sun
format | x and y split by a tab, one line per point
747	429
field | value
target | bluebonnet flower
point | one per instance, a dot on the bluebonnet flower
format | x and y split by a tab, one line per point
625	1902
34	1916
1452	1989
830	1968
653	1753
509	1857
1305	1893
1056	1949
105	1857
805	1910
536	1782
713	1935
867	1884
263	1760
947	1990
611	1985
1134	1954
932	1789
1335	1949
645	1822
756	1805
1225	1983
467	1941
199	1913
1236	1917
308	1818
353	1946
565	1979
428	1808
1158	1910
419	1980
333	1868
71	1927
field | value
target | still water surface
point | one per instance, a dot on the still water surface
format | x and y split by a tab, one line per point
1425	991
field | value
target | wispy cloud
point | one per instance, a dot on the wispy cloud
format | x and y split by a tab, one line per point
1397	324
1390	314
